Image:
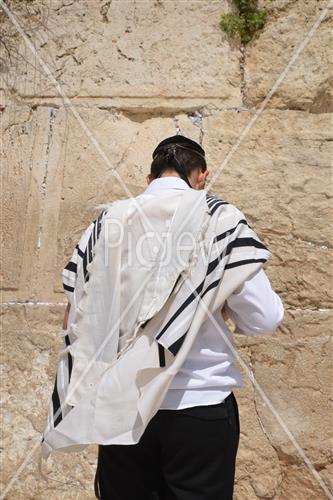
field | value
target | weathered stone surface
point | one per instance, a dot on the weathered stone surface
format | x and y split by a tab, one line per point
256	459
35	151
298	324
66	174
89	179
280	177
296	377
29	362
115	50
308	84
138	72
16	179
298	388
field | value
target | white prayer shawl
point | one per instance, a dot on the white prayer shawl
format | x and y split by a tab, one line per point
131	326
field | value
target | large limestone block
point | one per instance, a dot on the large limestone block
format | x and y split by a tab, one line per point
127	48
258	467
30	347
296	377
89	179
34	153
16	179
308	84
298	325
304	323
280	177
298	483
59	173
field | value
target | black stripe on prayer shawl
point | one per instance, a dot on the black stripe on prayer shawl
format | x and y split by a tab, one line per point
70	359
161	349
79	251
240	242
211	266
214	203
243	262
86	256
85	263
217	205
210	287
174	348
92	241
56	403
90	245
71	266
230	231
212	199
189	299
161	355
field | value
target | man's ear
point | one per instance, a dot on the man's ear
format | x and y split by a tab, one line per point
203	176
149	178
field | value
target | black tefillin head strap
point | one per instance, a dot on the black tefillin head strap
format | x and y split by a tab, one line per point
171	152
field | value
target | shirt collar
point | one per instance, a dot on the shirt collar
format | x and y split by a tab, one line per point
165	183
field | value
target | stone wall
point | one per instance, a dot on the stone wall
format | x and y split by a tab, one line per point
132	73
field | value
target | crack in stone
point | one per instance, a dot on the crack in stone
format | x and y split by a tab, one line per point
197	119
242	75
104	11
274	447
53	112
17	124
129	58
178	129
31	303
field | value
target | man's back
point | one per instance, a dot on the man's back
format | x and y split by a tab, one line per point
209	374
153	359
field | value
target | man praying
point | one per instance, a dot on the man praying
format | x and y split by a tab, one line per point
147	369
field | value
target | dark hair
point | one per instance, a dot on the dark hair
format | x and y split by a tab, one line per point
177	157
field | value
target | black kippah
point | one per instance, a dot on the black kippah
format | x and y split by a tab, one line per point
182	142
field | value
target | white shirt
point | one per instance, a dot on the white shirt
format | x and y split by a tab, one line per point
208	374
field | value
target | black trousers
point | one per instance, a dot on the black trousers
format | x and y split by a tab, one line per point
187	454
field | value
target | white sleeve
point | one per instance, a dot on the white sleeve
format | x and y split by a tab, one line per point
255	308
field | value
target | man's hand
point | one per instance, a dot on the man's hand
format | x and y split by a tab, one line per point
64	323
